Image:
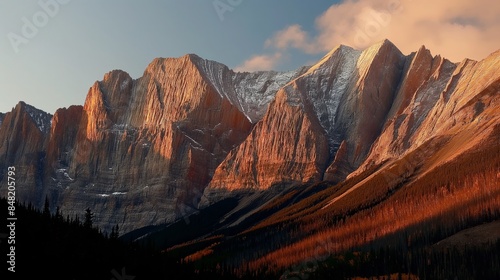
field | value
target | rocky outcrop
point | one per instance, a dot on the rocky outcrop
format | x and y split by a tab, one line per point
340	167
287	146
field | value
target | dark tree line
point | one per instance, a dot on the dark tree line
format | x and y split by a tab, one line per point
48	245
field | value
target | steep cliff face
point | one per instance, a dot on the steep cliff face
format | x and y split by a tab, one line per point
455	105
23	133
63	132
138	152
145	148
60	149
251	93
344	98
470	95
371	107
287	146
364	108
424	78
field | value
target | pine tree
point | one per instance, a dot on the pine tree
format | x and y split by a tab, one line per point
114	233
89	216
46	208
59	217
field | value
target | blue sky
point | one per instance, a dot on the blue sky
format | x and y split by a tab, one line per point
74	44
87	38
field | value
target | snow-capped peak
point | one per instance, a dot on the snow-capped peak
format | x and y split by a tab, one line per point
326	82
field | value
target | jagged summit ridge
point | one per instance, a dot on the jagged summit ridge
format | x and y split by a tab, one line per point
344	95
373	106
41	118
249	92
325	83
192	129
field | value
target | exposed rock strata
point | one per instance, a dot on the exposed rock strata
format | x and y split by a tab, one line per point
145	151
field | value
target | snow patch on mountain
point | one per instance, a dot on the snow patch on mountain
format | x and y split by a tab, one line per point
251	92
257	89
42	119
325	84
108	195
124	84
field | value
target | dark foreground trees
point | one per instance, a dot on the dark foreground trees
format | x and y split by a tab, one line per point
48	245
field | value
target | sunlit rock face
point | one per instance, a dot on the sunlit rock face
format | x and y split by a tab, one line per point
438	100
23	134
145	148
190	131
138	152
343	99
355	110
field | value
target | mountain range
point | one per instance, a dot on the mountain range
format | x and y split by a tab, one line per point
406	138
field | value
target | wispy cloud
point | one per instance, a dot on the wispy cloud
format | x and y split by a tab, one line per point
463	29
260	62
292	36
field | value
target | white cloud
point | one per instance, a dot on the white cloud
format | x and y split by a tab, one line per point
260	62
292	36
456	30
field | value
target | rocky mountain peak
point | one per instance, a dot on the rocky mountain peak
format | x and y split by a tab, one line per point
23	133
249	92
145	151
39	117
116	82
330	56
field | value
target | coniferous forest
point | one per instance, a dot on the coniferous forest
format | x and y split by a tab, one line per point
61	247
51	245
